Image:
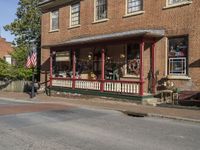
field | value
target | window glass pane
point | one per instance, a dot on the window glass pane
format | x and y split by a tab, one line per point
177	55
170	2
54	20
134	5
62	64
101	9
178	47
75	14
177	66
133	59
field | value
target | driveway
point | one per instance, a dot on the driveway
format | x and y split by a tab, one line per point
38	126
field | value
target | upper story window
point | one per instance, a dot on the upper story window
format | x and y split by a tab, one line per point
101	9
172	2
75	14
178	55
134	5
54	20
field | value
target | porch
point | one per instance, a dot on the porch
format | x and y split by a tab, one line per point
110	64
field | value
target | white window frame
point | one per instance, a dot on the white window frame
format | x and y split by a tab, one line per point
183	60
171	59
95	12
51	17
175	2
70	21
134	12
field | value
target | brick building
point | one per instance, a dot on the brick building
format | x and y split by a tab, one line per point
129	47
5	50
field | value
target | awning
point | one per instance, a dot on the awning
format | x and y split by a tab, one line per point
112	36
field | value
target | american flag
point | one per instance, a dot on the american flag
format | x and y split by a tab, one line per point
31	60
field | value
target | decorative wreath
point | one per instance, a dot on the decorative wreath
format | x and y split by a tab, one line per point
134	66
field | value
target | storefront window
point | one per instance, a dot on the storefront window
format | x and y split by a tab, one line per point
61	64
177	56
133	59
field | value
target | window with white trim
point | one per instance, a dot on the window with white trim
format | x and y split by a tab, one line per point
75	14
172	2
177	56
100	9
54	20
134	5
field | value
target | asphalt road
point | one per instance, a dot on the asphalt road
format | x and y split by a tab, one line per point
73	128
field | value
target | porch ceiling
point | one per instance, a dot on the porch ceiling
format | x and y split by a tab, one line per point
113	36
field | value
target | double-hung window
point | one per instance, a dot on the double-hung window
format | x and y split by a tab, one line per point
134	6
75	14
177	56
100	9
54	20
173	2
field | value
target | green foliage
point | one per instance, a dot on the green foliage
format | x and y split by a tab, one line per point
13	72
26	28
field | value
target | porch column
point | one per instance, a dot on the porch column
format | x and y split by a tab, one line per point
51	68
153	67
141	92
74	68
50	71
102	69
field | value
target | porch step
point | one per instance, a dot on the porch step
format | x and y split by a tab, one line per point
150	101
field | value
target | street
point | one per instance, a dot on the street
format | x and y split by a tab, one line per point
85	128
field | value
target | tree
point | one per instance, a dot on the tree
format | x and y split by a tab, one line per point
26	28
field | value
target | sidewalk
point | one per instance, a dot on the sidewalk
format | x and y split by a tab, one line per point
107	103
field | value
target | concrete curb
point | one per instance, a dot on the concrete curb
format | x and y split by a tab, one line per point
139	114
173	117
16	100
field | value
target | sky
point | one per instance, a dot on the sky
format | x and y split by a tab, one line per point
7	15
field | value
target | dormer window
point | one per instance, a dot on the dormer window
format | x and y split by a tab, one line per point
100	9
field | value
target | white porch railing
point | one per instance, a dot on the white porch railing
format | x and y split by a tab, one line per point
86	84
62	83
122	87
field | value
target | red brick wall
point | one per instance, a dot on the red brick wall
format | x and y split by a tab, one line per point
183	20
5	47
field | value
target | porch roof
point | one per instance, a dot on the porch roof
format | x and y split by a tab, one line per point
113	36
